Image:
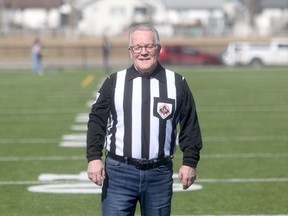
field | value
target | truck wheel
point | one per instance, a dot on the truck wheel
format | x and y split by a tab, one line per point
256	63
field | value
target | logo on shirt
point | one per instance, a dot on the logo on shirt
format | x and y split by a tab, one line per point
164	109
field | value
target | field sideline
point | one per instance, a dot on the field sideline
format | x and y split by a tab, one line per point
243	114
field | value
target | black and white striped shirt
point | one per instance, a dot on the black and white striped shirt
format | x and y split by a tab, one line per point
137	116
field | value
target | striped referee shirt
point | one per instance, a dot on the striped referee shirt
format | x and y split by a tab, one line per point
136	116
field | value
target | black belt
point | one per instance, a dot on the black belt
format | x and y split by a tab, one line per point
142	164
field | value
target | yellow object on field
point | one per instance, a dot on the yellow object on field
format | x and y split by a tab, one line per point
87	81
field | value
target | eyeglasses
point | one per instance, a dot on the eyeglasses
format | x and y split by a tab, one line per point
138	49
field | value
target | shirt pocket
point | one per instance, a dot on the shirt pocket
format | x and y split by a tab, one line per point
163	108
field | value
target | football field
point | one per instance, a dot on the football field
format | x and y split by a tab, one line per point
243	114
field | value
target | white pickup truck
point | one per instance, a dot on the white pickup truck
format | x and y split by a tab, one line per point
257	54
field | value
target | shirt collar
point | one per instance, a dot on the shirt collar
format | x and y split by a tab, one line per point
158	73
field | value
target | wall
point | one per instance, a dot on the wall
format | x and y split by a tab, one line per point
87	52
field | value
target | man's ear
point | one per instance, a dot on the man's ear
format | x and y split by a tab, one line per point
130	53
158	49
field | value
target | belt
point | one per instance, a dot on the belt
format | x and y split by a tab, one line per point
142	164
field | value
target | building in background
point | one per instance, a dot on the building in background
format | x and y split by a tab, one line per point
110	17
29	15
171	17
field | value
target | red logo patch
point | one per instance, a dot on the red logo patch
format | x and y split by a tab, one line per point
164	109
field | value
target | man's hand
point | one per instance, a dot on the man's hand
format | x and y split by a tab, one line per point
96	172
187	176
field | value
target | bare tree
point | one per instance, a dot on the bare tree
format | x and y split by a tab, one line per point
253	8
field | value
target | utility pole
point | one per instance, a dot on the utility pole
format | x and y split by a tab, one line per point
2	7
253	8
73	17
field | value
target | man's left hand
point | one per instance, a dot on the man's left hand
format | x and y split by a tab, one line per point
187	176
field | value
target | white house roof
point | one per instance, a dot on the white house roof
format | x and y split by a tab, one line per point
31	3
192	4
214	4
274	4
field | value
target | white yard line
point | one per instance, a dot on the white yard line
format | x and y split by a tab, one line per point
28	141
245	138
43	158
231	180
242	180
235	215
205	139
245	155
30	182
214	156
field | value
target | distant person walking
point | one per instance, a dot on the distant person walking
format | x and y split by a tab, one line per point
36	52
106	47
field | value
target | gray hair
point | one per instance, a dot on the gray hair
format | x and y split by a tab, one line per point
145	27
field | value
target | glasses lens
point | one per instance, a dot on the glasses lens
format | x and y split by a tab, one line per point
148	48
137	49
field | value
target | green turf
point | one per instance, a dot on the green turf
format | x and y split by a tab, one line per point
243	114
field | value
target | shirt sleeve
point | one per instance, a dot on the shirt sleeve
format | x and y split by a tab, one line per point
190	140
97	123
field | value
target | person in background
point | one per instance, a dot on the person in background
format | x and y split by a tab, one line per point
36	52
135	116
106	47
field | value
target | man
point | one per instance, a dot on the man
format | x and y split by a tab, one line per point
36	52
106	47
135	116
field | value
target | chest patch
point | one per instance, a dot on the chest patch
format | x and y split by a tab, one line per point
164	109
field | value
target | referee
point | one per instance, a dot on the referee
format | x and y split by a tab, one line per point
135	117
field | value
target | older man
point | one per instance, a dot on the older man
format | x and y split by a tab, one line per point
135	116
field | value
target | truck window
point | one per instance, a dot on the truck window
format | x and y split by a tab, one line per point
283	46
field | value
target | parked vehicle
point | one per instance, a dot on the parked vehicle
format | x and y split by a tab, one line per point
257	54
185	55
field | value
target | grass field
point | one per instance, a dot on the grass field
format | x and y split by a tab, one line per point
243	115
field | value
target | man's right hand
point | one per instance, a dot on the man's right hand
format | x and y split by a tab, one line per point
96	172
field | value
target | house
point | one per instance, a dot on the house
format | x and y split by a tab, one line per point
196	18
29	14
110	17
171	17
272	17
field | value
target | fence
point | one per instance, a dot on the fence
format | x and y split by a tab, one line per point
75	56
88	53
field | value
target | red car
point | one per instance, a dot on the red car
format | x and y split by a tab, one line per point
184	55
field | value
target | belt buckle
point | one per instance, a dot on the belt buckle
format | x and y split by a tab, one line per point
143	164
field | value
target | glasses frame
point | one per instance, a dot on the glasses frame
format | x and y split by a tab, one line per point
150	48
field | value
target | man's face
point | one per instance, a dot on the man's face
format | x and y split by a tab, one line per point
143	51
